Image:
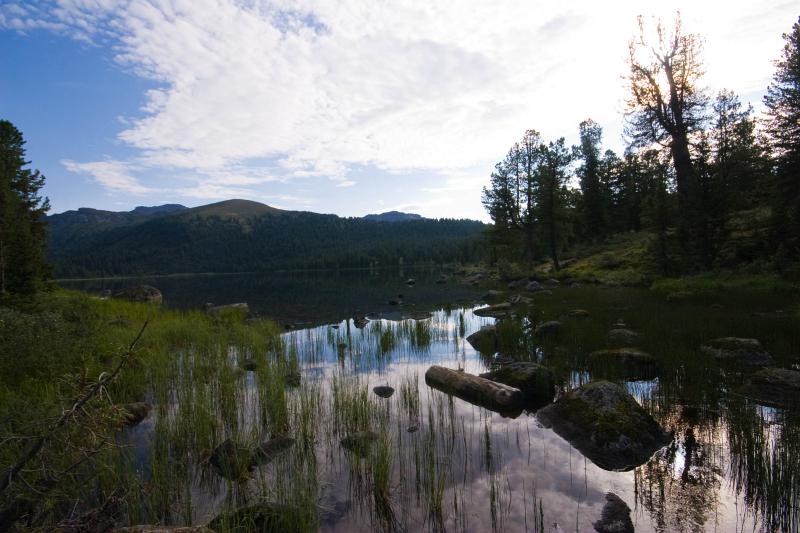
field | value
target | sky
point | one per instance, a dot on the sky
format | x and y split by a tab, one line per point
333	106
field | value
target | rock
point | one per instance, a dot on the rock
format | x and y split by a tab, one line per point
496	310
624	336
240	307
736	349
775	387
535	381
411	281
360	442
140	293
231	460
484	340
292	378
627	363
360	322
575	285
516	283
544	292
619	324
442	279
578	313
248	364
606	425
384	391
616	517
552	283
265	517
476	390
135	412
533	286
272	448
493	295
547	330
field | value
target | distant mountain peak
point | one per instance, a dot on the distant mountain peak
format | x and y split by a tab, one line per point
157	209
393	216
236	208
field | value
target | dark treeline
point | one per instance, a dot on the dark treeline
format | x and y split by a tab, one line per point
716	186
283	240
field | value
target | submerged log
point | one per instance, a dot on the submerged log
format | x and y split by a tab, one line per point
476	390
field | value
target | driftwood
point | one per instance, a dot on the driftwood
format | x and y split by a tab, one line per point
476	390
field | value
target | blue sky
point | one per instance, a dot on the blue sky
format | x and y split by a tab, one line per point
346	106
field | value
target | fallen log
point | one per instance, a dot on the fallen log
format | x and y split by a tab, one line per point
476	390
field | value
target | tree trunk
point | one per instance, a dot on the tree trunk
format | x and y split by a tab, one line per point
475	389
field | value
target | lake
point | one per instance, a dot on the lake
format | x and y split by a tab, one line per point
435	462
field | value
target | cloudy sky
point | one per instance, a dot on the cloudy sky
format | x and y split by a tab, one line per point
335	106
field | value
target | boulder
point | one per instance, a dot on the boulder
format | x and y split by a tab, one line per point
518	299
140	293
265	517
578	313
360	442
547	330
737	349
240	307
292	378
270	449
231	460
775	387
484	340
616	516
533	286
627	363
517	283
624	336
496	310
535	381
360	322
384	391
135	412
606	425
552	283
476	390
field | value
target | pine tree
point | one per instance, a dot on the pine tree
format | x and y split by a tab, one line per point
23	236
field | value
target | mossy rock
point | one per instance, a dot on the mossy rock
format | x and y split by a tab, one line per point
775	387
140	293
547	330
606	425
626	363
270	449
360	442
737	349
263	518
616	516
623	336
497	310
232	460
484	340
535	381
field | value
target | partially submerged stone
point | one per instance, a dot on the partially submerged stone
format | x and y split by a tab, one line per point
578	313
627	363
775	387
535	381
737	349
496	310
231	460
360	322
623	336
476	390
616	516
262	518
140	293
384	391
533	286
606	425
493	295
484	340
270	449
517	299
135	412
360	442
547	330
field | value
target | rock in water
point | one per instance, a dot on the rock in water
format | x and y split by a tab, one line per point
533	286
773	386
140	293
231	460
535	381
360	322
384	391
484	340
135	412
497	310
270	449
623	336
616	517
240	307
627	363
493	295
360	442
476	390
547	330
263	518
578	313
736	349
605	424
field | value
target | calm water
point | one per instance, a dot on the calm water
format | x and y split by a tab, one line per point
443	464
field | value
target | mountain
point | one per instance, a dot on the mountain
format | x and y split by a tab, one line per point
245	236
393	216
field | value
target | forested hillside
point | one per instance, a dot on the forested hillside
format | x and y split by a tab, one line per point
242	236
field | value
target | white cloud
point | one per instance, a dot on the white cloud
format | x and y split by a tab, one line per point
322	86
112	175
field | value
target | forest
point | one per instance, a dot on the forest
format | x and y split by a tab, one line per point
715	186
